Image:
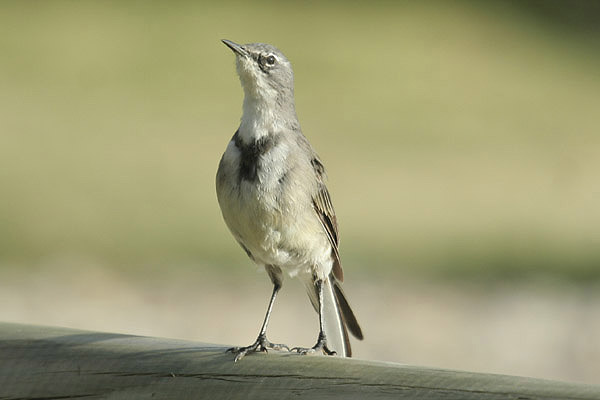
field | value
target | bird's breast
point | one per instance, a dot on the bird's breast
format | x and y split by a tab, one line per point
266	204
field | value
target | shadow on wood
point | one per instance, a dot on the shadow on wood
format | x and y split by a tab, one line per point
39	362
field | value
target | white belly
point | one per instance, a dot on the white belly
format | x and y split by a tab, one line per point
274	220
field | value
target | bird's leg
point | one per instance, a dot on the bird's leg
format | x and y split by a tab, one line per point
261	343
322	340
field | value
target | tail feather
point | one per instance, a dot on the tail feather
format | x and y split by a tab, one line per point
346	311
337	315
333	323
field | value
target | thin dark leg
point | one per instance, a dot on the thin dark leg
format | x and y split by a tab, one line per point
263	329
322	339
261	343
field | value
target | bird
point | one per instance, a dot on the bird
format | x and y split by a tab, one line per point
271	189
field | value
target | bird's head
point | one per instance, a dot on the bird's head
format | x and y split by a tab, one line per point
265	73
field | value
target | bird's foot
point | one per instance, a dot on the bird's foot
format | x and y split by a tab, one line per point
261	344
321	346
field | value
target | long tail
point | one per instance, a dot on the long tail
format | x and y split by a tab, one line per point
338	317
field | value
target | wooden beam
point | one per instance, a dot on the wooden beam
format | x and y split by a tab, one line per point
38	362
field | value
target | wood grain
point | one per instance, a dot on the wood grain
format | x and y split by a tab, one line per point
38	362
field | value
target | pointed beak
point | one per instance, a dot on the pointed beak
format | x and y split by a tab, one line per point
237	48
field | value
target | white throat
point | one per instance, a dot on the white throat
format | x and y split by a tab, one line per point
259	118
263	110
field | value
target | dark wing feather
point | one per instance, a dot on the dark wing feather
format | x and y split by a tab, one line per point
324	209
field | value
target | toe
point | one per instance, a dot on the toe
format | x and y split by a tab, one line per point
329	352
239	356
279	346
303	350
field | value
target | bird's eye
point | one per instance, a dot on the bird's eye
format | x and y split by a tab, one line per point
271	60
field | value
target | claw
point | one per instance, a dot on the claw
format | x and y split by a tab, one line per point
320	346
311	350
261	344
278	346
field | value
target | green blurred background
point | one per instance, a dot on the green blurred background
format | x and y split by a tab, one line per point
461	140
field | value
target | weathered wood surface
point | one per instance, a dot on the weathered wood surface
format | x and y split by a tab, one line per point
39	362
